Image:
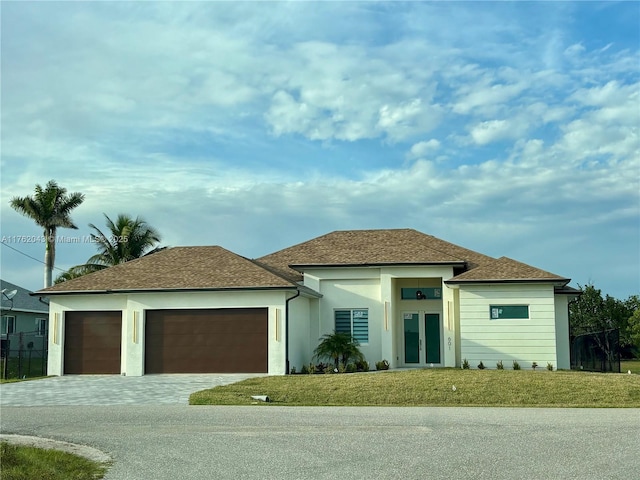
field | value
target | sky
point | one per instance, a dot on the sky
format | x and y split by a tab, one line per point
507	128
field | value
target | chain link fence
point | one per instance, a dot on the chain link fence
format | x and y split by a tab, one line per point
23	355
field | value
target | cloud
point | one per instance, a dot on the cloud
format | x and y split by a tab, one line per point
423	148
486	98
258	125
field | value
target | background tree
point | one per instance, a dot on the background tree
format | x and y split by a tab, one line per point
595	313
50	208
126	239
633	323
338	347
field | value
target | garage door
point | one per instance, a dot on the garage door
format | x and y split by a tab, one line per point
206	341
92	342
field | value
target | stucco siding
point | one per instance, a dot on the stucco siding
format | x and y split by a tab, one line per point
133	307
299	331
359	293
562	332
490	340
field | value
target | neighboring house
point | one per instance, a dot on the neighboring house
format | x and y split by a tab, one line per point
22	313
409	298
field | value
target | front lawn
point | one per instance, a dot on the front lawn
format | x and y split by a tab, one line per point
506	388
25	463
633	365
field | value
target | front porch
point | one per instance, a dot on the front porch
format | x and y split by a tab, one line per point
420	318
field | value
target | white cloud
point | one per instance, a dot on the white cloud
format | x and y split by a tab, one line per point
486	98
423	148
257	125
491	131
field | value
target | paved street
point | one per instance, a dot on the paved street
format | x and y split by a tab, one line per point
263	441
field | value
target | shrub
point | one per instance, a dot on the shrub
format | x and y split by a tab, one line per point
351	367
304	370
550	367
465	364
362	366
320	368
339	348
382	365
499	365
293	370
534	365
481	366
516	365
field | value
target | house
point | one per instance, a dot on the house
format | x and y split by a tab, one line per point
23	314
410	298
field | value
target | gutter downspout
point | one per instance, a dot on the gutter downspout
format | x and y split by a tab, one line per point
286	331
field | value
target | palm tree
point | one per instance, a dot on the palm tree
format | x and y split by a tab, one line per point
50	208
128	239
339	347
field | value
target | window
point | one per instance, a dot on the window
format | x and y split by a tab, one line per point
501	312
425	293
8	324
354	322
41	326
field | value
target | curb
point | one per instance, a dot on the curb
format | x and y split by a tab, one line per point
49	444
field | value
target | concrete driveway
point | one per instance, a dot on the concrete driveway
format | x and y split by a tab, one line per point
112	389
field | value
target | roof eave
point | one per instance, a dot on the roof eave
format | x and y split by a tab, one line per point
300	266
160	290
24	310
556	281
564	290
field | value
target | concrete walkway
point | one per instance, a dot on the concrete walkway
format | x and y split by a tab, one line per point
112	389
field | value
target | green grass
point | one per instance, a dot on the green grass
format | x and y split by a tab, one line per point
15	380
633	365
506	388
27	463
35	368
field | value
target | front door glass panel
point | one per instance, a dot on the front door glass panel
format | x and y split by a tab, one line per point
432	333
411	338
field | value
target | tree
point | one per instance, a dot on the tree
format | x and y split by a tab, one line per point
593	313
633	323
128	239
338	347
50	208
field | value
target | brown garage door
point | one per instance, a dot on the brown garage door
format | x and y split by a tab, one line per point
206	341
92	342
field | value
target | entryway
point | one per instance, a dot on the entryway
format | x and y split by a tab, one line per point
422	338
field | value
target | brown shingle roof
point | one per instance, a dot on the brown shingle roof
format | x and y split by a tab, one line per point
503	270
185	268
371	247
196	268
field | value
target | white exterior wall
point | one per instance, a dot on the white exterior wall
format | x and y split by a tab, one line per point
422	276
562	332
63	303
299	332
378	290
134	305
350	288
524	340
